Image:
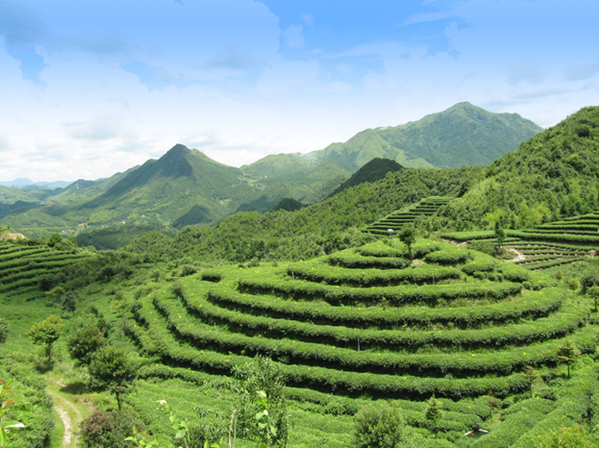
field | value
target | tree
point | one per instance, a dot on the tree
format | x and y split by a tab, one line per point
46	333
500	236
568	353
433	413
69	302
4	330
84	343
408	236
54	240
531	376
381	425
112	369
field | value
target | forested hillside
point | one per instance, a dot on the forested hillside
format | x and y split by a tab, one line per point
314	230
555	174
552	175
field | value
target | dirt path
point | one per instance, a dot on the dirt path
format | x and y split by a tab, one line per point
520	255
71	408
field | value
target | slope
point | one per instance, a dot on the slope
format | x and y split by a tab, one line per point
323	227
463	135
155	194
372	171
552	175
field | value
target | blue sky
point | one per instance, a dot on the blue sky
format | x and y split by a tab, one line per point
91	88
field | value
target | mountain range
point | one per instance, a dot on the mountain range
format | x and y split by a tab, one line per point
186	187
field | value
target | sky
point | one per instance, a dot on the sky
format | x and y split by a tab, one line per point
91	88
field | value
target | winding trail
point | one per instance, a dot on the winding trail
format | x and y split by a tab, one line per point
70	413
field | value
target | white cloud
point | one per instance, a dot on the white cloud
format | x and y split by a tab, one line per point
380	48
344	68
283	75
308	19
293	36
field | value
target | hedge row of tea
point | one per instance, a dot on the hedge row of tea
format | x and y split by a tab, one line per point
547	245
23	268
456	324
396	220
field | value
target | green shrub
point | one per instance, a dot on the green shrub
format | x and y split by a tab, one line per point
381	425
4	330
109	429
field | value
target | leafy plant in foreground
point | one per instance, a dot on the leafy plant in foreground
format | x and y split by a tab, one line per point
263	410
4	402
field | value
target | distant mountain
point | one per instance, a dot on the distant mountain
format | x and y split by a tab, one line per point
185	187
25	182
182	181
372	171
463	135
82	190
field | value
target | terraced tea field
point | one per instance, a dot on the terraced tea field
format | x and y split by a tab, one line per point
548	245
395	221
369	323
22	267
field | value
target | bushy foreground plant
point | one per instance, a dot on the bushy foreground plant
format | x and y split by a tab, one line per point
381	425
575	436
109	429
262	415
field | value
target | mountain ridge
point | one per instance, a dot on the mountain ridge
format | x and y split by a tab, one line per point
186	187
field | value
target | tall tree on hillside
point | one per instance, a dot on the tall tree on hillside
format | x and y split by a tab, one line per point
69	302
46	333
408	236
84	343
567	353
113	369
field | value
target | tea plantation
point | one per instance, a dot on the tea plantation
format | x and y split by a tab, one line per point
548	245
357	328
396	220
368	324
